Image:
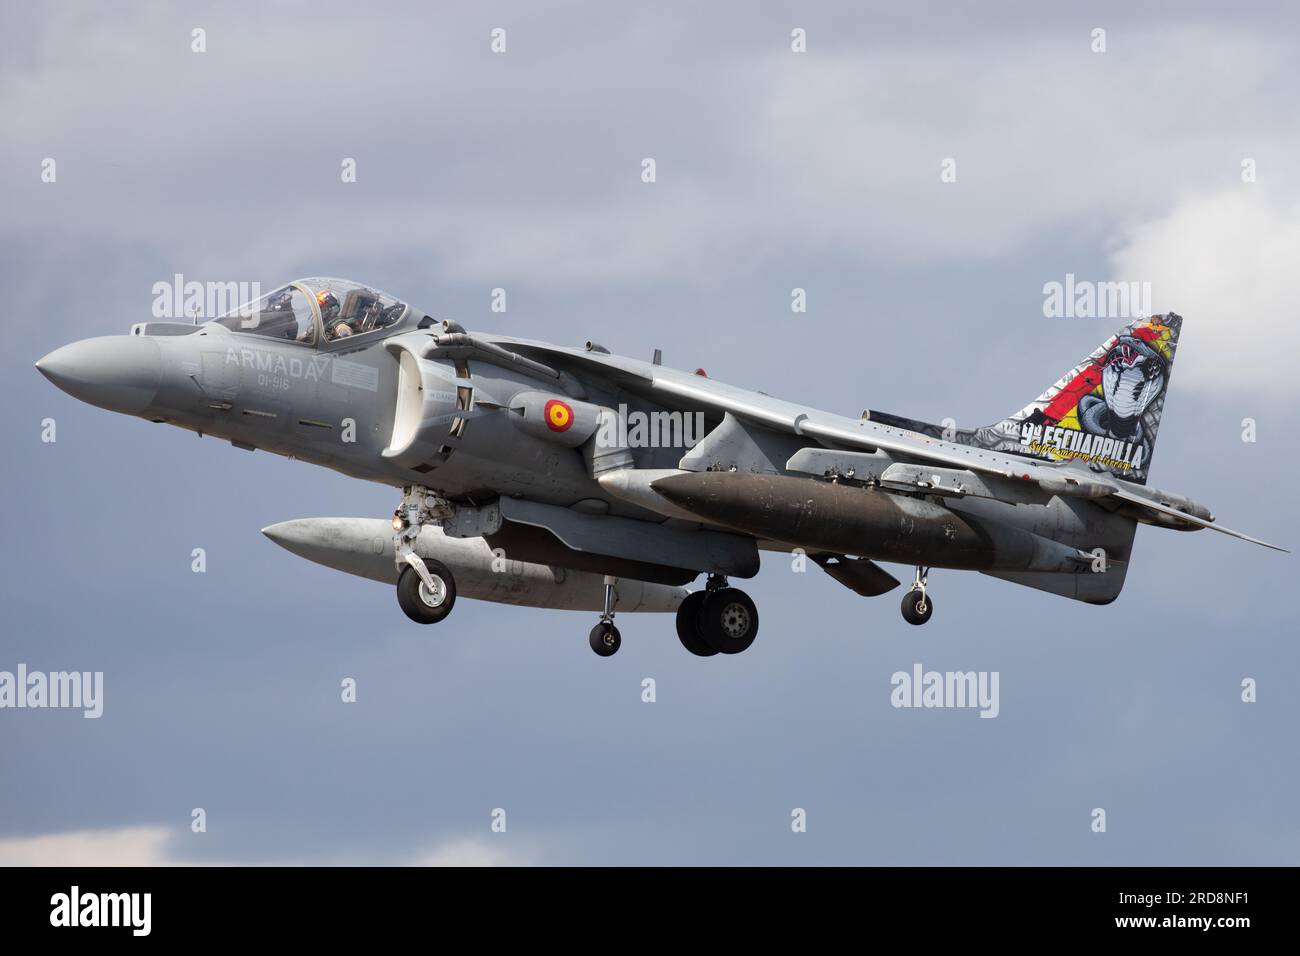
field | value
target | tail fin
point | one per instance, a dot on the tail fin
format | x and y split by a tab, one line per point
1103	413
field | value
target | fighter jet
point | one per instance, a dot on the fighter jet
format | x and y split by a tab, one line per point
569	477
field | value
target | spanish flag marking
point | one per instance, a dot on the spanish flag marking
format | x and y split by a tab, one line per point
559	416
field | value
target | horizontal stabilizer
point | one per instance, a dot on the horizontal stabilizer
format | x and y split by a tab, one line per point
1141	502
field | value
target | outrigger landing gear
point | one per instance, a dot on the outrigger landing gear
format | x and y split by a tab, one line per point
718	620
426	590
917	606
605	639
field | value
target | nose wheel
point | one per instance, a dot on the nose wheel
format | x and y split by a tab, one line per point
426	590
426	603
917	605
605	639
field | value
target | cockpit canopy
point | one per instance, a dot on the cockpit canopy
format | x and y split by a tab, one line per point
317	311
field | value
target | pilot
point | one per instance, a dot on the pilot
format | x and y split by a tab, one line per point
333	323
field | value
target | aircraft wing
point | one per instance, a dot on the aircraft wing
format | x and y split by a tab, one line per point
677	388
682	389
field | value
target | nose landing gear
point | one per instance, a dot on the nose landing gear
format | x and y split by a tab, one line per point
426	603
917	605
605	639
426	590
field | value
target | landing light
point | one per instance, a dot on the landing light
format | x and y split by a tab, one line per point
398	523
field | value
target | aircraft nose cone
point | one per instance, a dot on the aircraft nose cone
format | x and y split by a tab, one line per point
117	372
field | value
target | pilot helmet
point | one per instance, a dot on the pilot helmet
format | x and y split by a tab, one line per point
329	304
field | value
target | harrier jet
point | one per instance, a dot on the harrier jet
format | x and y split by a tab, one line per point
570	477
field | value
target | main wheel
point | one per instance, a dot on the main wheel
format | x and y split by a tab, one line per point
728	621
688	625
605	639
422	604
917	607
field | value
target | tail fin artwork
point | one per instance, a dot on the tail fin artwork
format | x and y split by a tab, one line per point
1104	413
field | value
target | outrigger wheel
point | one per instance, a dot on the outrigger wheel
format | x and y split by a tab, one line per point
424	604
605	639
917	605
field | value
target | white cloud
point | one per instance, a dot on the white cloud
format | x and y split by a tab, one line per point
123	846
1227	262
1046	136
471	853
152	846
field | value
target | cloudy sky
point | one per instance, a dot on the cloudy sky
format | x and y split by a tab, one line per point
775	170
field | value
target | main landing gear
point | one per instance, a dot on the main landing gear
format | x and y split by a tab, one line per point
917	605
426	590
718	620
